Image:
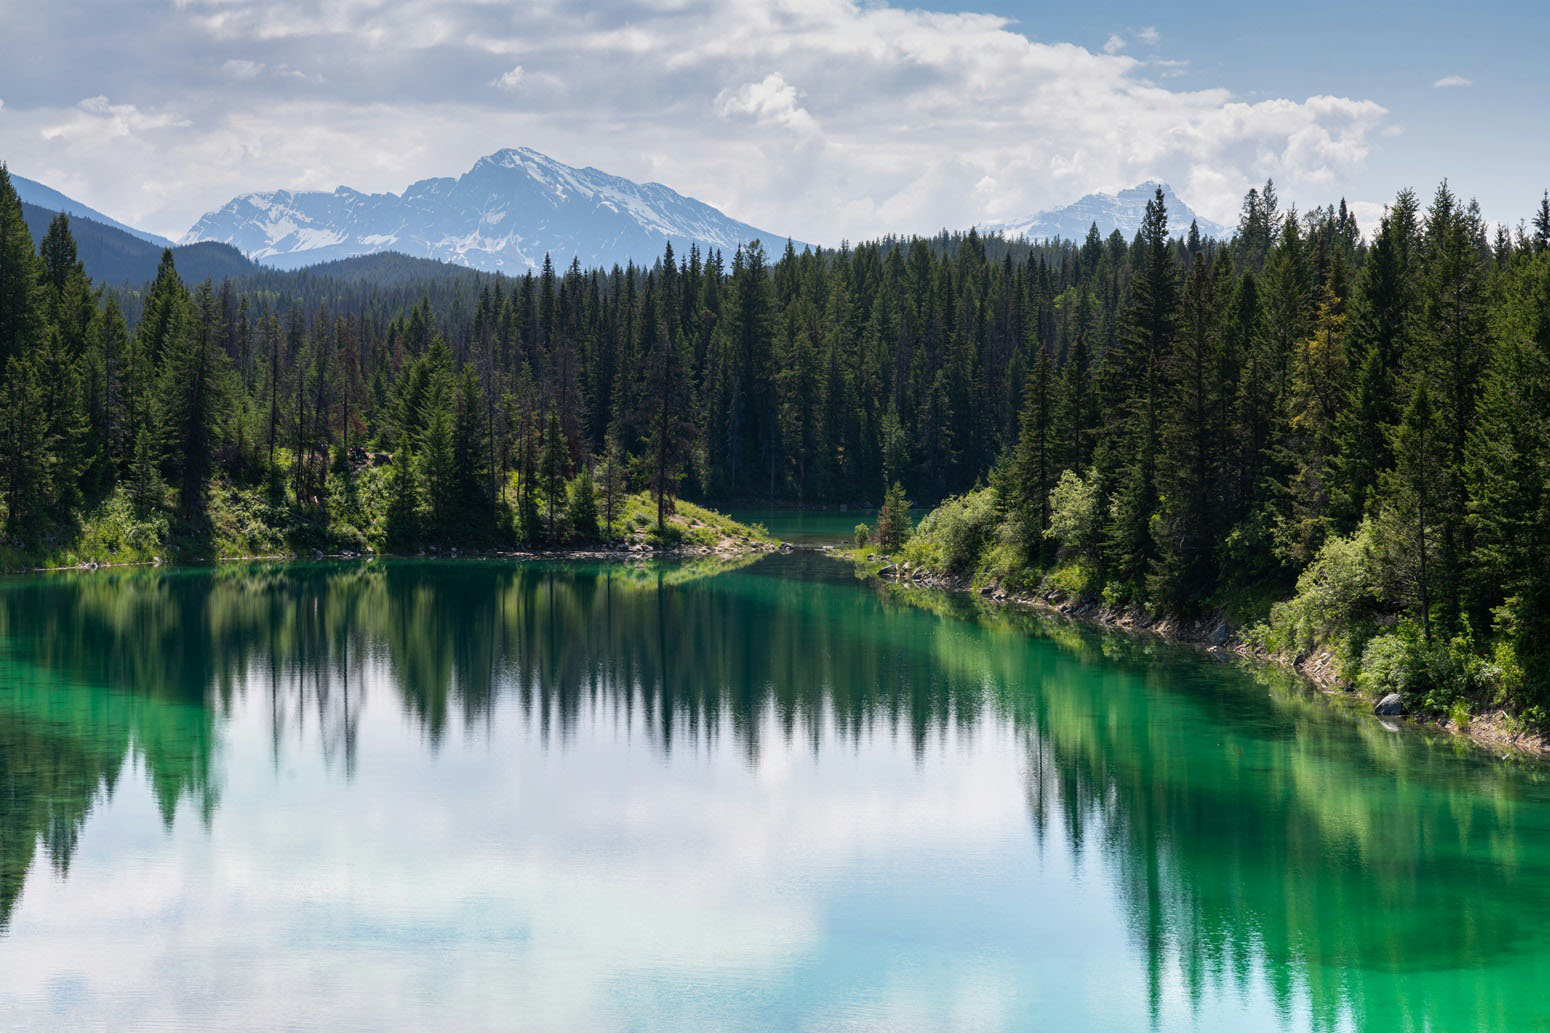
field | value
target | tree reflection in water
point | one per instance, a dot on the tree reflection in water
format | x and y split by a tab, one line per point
1251	832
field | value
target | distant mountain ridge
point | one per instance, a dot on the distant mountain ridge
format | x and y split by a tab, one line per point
46	197
503	215
1122	211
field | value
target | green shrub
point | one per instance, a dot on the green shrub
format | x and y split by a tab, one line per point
863	532
1385	666
1005	563
1073	579
960	528
1434	676
1074	512
1116	594
1336	590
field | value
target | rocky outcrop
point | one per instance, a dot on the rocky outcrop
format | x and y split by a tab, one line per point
1389	706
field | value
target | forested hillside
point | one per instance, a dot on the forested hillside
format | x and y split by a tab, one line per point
1363	428
1186	423
113	257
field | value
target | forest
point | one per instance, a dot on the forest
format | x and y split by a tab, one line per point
1338	438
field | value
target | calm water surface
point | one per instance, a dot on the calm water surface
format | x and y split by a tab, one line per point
494	796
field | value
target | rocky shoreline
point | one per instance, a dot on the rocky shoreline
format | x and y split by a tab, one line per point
1492	730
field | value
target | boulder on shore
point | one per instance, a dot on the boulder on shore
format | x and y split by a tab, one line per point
1390	706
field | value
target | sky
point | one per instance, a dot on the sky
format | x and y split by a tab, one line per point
819	119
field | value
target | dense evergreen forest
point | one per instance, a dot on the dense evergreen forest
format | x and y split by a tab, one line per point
1183	423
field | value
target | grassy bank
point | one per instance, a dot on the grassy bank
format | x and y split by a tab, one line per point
355	516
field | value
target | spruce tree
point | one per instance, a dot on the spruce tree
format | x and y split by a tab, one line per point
893	519
581	505
1033	466
438	469
146	492
470	449
1509	472
20	317
611	482
194	397
1186	531
1315	400
1137	378
1455	358
23	446
1408	529
551	473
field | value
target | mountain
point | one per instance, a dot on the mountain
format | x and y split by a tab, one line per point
49	199
1123	211
502	215
114	257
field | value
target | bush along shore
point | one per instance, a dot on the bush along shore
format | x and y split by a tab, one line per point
363	511
1335	629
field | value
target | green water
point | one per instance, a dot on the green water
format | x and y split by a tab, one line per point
810	526
491	796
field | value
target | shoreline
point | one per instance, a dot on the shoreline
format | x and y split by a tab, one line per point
1489	731
621	553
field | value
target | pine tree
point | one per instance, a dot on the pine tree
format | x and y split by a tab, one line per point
893	445
1186	531
469	446
551	473
20	317
23	445
64	417
1075	413
893	519
194	398
109	353
1361	450
437	468
403	498
145	485
1033	465
1408	528
581	506
668	431
1317	395
1147	348
1509	471
612	484
1455	358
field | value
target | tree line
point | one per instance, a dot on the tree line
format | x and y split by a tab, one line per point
1358	424
1192	420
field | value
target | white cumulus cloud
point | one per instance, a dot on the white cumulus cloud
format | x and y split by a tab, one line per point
823	119
509	80
1449	81
770	101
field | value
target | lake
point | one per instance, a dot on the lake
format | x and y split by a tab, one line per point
503	795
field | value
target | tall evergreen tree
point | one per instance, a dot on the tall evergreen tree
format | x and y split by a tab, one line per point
1147	349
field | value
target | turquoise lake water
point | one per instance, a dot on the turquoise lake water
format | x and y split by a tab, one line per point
493	795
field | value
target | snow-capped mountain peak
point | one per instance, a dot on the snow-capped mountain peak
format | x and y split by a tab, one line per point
1122	211
504	214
